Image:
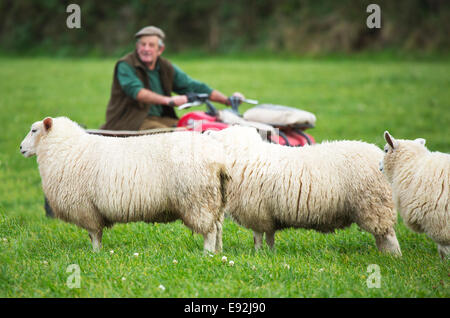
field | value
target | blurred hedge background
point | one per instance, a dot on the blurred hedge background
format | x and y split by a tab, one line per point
225	26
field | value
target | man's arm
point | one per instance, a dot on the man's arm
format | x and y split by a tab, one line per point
148	97
217	96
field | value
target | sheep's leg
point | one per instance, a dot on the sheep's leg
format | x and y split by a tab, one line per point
257	239
209	244
270	239
388	243
96	239
444	251
219	237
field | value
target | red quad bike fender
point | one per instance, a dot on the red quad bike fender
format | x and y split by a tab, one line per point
200	121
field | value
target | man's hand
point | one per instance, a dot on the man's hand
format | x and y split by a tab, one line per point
239	95
177	100
235	98
217	96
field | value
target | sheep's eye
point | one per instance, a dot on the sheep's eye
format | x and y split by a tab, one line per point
33	130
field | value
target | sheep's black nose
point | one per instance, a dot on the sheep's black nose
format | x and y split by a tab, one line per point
20	147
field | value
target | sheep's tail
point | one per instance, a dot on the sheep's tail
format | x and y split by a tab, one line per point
224	178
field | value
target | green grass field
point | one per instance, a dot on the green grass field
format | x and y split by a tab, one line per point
352	99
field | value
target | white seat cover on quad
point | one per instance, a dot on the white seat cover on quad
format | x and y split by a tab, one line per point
278	115
230	118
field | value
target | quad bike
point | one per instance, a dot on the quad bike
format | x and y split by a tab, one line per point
278	124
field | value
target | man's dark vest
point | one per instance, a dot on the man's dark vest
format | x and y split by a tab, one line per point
126	113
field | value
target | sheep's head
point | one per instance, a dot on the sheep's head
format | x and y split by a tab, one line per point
397	151
37	131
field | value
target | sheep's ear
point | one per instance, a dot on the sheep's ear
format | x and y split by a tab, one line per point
48	123
420	141
390	140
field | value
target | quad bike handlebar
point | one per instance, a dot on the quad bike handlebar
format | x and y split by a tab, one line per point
200	99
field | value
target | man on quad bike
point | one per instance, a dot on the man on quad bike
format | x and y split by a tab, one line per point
141	93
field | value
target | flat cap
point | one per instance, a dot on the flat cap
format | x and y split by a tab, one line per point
150	30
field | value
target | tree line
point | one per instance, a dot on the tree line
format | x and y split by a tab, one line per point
224	26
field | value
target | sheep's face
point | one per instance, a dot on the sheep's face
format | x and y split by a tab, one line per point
31	141
398	151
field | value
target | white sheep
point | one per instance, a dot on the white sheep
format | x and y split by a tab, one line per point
421	187
322	187
96	181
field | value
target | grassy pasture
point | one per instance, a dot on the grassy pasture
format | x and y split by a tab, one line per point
352	99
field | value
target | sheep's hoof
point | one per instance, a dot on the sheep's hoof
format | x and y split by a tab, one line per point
444	252
208	253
